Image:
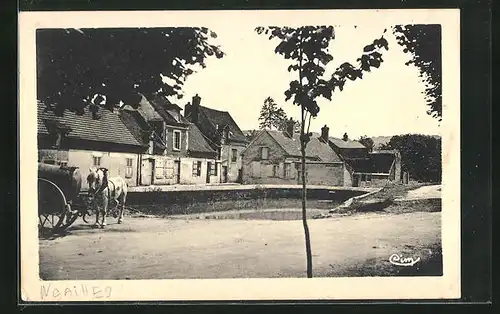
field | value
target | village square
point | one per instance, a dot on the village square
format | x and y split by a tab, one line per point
144	185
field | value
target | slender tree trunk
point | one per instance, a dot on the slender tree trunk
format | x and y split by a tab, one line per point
304	198
303	167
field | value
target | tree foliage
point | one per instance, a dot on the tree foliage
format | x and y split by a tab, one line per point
367	142
420	155
271	116
307	49
74	65
423	42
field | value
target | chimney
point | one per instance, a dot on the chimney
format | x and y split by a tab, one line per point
345	137
196	100
324	133
94	109
290	126
194	109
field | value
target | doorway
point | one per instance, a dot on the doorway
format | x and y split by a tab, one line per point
209	167
224	174
177	171
147	168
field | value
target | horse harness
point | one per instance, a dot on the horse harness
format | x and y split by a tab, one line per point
105	184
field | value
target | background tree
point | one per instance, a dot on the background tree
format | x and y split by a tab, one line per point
271	116
420	156
423	41
307	49
74	65
367	142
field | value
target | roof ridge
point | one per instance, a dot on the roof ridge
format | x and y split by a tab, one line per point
204	107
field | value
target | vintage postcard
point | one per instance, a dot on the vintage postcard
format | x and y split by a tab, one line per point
239	155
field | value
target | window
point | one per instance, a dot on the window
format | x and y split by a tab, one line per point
276	170
130	170
264	153
196	168
234	155
288	168
97	161
213	168
177	140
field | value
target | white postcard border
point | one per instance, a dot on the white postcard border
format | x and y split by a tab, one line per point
446	286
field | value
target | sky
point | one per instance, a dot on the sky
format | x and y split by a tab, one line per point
387	101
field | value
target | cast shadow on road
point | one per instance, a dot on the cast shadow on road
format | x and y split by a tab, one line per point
83	230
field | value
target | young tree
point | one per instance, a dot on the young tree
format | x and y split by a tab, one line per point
307	49
74	65
367	142
271	116
423	42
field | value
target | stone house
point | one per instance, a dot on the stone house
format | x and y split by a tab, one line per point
177	151
274	157
365	168
93	139
222	134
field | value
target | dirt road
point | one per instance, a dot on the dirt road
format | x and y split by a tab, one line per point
155	248
424	192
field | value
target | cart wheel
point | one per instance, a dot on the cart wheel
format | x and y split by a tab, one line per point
70	216
52	207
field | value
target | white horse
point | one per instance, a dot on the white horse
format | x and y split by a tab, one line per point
104	191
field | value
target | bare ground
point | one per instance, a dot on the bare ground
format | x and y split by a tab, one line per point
158	248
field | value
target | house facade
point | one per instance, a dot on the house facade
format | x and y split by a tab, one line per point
176	152
222	134
274	157
93	139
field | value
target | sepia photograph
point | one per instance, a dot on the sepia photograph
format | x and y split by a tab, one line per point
223	155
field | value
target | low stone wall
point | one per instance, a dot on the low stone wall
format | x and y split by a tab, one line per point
189	202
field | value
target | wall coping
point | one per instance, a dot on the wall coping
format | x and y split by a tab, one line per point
238	187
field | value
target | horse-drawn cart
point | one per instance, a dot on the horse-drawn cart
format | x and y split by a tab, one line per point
59	200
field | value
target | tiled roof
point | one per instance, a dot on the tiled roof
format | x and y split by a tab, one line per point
320	148
166	109
290	145
139	127
223	118
146	109
197	142
373	163
340	143
382	162
109	128
314	149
